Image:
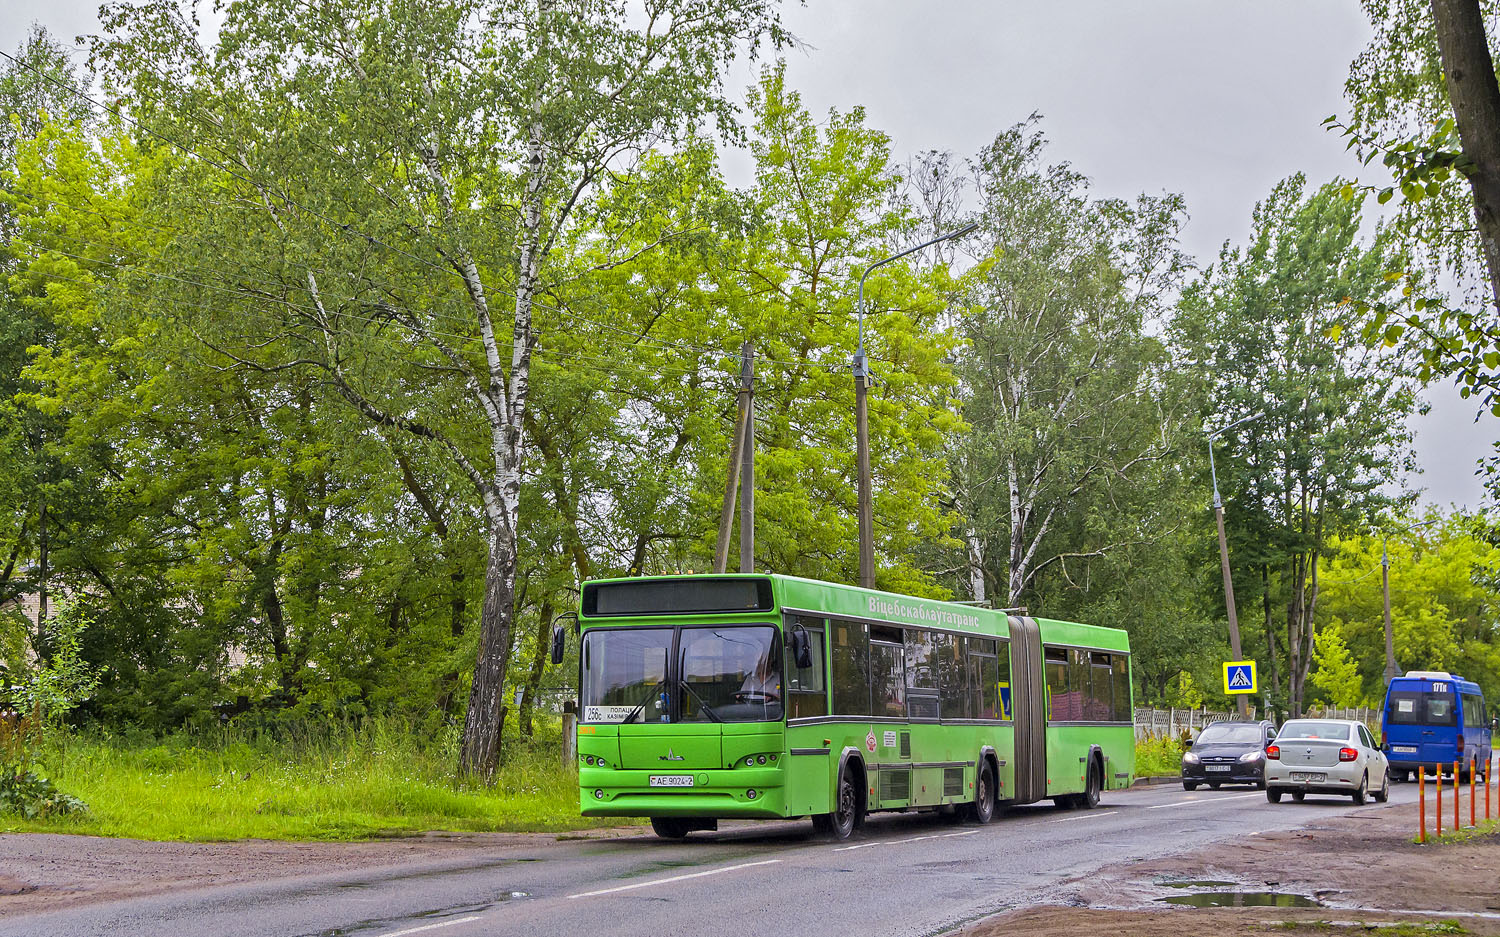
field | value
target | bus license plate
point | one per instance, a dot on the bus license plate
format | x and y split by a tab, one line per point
1404	749
1308	776
671	780
1217	767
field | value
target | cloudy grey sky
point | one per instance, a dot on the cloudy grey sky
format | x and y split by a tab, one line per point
1215	100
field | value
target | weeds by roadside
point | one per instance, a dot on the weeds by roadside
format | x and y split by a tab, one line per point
333	782
1157	755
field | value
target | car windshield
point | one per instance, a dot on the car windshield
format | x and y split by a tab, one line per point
718	675
1226	733
1311	729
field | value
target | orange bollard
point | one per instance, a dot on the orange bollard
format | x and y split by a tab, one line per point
1457	796
1421	805
1437	777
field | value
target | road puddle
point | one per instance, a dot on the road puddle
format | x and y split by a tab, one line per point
1243	899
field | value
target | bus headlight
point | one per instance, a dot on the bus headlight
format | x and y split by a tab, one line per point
598	793
750	794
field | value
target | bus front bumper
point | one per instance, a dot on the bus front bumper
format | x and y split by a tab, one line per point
724	794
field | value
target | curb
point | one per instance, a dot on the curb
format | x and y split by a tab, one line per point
1158	779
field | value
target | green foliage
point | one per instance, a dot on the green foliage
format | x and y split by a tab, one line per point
1157	756
1334	670
1445	589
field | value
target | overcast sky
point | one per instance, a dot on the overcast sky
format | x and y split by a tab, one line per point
1217	101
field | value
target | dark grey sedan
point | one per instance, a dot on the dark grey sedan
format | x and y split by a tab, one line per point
1228	753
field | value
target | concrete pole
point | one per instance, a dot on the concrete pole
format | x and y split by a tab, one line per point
747	454
862	417
731	488
1240	702
1391	672
866	503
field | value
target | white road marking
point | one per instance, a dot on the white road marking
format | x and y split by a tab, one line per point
665	881
1203	800
1086	816
424	927
898	842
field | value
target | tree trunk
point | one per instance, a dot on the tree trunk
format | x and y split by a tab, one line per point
480	753
1475	96
538	666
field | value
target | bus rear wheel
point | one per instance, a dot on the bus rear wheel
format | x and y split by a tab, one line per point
1089	799
982	810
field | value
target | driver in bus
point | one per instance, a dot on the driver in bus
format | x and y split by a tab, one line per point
762	685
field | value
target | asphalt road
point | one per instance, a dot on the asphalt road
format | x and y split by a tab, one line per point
902	875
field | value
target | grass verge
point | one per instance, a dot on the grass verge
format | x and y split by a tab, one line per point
336	783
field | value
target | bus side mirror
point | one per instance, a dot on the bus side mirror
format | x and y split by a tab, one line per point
559	639
801	648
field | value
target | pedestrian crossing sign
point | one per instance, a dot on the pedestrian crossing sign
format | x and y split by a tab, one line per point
1239	677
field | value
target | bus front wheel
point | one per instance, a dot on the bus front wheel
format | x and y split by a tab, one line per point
670	827
845	817
982	810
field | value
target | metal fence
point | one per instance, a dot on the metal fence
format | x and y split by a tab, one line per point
1151	722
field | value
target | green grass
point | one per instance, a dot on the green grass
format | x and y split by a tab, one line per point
336	783
1412	929
1158	756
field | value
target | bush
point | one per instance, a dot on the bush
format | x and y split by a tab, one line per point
1158	755
31	796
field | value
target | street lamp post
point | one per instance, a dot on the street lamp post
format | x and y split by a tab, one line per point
1241	703
1391	671
862	419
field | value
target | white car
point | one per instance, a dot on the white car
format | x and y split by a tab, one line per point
1326	756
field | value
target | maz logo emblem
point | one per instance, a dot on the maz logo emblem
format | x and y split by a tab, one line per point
669	756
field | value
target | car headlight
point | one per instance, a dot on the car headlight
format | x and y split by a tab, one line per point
1256	755
1188	758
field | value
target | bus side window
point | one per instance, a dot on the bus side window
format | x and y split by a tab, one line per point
851	668
1004	681
1055	665
953	677
807	691
1121	685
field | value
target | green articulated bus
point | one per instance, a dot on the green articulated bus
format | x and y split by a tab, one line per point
710	697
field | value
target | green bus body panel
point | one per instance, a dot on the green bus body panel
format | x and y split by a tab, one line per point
938	766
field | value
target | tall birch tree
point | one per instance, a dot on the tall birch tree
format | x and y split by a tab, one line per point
410	168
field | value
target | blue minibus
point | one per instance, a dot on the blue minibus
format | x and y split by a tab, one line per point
1433	719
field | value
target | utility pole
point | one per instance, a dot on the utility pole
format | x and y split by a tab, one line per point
862	418
744	429
1241	704
747	455
1391	670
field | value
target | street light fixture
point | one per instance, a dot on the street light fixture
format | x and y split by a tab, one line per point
862	418
1234	619
1391	671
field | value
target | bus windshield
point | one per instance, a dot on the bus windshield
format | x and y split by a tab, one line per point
725	674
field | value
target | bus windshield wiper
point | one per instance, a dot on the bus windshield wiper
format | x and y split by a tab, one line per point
642	704
707	709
